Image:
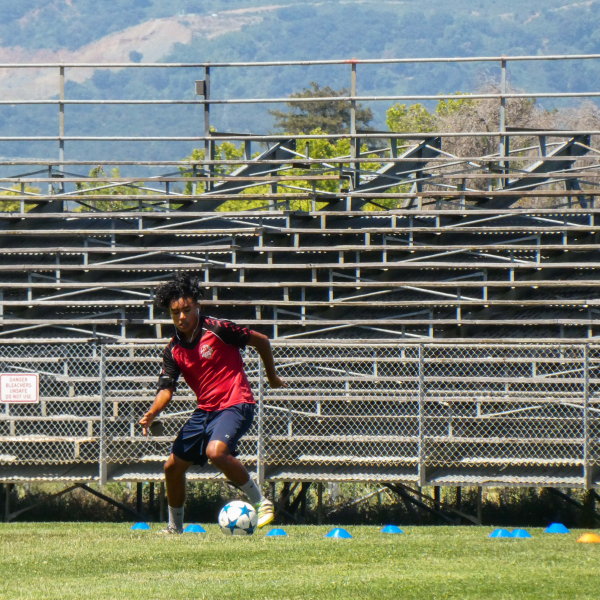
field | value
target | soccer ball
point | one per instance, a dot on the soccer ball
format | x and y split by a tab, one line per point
238	518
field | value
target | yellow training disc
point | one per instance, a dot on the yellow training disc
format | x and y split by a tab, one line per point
589	538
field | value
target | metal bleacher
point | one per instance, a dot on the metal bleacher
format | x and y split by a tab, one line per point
428	273
425	307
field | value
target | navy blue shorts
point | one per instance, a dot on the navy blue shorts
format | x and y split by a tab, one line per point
227	425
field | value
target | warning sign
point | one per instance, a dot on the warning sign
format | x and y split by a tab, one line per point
19	388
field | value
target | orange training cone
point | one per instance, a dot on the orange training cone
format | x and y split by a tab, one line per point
589	538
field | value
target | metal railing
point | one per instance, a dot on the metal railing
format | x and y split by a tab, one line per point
446	184
372	409
79	225
204	99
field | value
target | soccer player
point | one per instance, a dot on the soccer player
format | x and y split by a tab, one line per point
206	352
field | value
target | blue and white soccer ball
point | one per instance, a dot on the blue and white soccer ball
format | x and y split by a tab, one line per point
238	518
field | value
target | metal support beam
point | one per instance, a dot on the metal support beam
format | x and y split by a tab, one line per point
439	504
407	498
136	514
283	149
207	143
61	115
571	501
300	499
283	503
103	463
359	500
587	466
503	149
394	173
8	516
272	491
354	143
422	449
260	449
286	492
571	150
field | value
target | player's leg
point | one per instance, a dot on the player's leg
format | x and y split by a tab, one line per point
175	469
187	450
225	430
220	456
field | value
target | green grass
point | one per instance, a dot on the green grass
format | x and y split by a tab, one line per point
41	560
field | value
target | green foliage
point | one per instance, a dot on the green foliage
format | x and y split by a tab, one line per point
414	118
448	107
319	149
330	116
102	189
7	206
223	151
15	205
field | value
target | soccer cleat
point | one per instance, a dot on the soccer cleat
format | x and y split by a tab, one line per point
264	509
170	531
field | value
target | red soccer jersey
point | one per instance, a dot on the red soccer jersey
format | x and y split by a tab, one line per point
211	365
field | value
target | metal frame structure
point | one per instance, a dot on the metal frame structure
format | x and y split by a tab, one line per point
454	258
437	329
425	414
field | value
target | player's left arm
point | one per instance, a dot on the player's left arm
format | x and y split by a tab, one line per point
263	347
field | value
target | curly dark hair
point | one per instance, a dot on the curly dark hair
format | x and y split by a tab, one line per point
182	285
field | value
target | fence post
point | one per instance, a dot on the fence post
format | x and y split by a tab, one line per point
422	474
208	144
503	139
103	475
61	116
260	447
587	467
354	143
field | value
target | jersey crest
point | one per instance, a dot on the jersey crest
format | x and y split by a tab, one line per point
206	351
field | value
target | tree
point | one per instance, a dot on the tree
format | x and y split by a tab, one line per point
331	116
317	148
414	118
482	115
225	151
15	205
99	189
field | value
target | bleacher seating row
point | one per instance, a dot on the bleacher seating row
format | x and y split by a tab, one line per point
477	249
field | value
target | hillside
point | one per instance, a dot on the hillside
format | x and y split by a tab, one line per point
257	30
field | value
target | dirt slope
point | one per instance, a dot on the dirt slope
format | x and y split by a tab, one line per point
153	39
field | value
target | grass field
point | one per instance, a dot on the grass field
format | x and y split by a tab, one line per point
57	560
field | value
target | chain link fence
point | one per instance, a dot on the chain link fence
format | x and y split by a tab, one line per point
347	405
65	426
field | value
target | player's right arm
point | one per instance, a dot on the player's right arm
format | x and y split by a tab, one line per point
163	397
167	384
